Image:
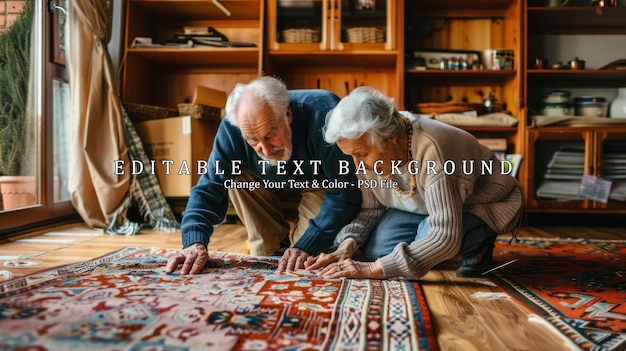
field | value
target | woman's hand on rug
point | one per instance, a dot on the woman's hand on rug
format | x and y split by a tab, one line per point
193	259
343	252
292	259
353	269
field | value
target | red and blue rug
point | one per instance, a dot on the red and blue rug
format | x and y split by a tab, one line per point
124	301
578	286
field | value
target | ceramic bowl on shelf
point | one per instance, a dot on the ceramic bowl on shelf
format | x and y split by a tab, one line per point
590	106
556	109
557	97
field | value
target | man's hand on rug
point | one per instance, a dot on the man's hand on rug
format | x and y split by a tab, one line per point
343	252
353	269
292	259
193	259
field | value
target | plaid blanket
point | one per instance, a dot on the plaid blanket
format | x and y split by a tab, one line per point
145	191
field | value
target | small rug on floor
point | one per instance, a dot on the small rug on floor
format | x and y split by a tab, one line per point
124	301
578	286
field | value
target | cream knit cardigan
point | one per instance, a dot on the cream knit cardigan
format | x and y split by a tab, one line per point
441	194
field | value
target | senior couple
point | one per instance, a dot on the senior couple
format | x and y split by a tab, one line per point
403	229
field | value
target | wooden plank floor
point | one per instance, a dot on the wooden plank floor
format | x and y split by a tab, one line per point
463	317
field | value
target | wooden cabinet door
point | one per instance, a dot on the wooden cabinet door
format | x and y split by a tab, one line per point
363	25
552	181
331	25
610	163
299	25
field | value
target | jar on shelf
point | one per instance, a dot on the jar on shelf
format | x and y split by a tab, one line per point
618	105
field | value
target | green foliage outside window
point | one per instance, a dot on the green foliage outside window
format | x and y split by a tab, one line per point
14	77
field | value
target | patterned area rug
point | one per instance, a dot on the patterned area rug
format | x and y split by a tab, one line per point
123	301
577	286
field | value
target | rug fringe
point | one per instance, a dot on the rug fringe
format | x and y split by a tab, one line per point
544	323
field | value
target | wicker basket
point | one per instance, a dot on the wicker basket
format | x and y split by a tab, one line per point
365	35
200	111
301	35
141	113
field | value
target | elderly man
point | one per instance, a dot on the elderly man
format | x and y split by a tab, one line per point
269	147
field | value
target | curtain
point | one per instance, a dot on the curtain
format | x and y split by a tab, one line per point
101	131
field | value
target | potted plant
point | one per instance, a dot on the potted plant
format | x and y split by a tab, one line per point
15	137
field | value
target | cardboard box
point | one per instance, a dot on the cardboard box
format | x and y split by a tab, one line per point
209	97
181	142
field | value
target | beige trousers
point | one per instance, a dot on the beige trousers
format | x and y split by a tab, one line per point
262	212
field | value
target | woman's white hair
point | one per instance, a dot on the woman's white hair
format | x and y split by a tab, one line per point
364	110
271	91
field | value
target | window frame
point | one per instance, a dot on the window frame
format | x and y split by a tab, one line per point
47	212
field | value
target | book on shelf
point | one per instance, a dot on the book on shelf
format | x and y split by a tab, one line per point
200	37
495	144
208	43
614	164
567	159
208	40
559	190
215	43
223	44
563	176
194	42
200	30
558	172
239	44
179	43
614	175
618	191
514	160
203	33
144	42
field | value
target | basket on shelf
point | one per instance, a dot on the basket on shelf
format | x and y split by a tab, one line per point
200	111
365	35
141	112
301	35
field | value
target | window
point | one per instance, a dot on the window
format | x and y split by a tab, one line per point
39	126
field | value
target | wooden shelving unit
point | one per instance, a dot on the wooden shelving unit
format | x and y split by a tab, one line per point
473	26
576	21
167	76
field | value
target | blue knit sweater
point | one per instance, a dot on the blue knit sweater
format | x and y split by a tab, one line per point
208	200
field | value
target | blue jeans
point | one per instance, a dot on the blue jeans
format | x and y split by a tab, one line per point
398	226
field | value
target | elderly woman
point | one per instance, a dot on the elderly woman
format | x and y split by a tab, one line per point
430	192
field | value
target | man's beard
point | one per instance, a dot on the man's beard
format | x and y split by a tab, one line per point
287	151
